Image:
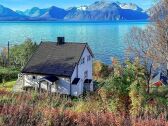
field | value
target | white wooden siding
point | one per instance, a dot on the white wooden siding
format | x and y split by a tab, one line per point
86	66
63	84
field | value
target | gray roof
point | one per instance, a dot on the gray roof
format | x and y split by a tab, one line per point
53	59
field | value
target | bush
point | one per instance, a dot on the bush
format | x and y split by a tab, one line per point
100	70
7	74
19	110
20	115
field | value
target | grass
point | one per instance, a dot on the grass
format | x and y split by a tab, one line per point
31	108
8	85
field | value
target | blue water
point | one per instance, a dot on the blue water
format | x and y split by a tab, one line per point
105	38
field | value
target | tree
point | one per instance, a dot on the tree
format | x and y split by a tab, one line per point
20	54
160	16
159	11
139	45
100	70
4	57
151	44
137	89
126	87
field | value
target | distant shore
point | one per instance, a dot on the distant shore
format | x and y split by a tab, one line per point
34	21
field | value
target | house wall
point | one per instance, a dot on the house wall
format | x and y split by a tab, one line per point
79	73
63	84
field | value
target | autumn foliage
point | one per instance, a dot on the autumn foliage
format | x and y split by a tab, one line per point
40	110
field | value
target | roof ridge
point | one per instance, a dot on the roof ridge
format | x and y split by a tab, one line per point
65	42
54	59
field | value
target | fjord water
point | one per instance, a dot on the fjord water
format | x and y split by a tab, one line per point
107	39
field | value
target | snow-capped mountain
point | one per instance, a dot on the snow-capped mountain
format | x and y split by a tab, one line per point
82	8
98	11
130	6
101	5
101	10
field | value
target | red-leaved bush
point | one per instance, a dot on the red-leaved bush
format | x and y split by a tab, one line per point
23	115
38	110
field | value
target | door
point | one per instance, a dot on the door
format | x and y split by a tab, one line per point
86	85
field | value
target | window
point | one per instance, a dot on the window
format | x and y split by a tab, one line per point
88	58
83	60
85	74
34	77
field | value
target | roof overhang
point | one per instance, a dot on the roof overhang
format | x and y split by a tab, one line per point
90	51
45	74
50	79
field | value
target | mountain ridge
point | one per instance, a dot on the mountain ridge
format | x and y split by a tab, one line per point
8	14
98	11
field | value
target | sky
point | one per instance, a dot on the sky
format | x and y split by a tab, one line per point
25	4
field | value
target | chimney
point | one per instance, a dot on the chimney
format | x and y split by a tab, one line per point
60	40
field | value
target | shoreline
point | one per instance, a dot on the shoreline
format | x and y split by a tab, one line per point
121	21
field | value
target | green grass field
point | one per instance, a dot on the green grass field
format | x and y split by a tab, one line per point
8	85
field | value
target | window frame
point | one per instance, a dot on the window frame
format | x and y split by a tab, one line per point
33	77
88	57
82	60
86	74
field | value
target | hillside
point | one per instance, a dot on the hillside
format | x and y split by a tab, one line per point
98	11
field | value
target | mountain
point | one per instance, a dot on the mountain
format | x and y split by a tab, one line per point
130	6
108	11
54	13
98	11
33	12
7	14
83	8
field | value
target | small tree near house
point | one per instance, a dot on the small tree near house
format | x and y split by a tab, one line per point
151	44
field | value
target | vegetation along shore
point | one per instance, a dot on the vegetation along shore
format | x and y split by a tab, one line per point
124	92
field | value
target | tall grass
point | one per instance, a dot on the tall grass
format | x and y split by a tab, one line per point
32	109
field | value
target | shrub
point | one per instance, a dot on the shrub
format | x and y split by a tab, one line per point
100	70
7	74
20	115
19	110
